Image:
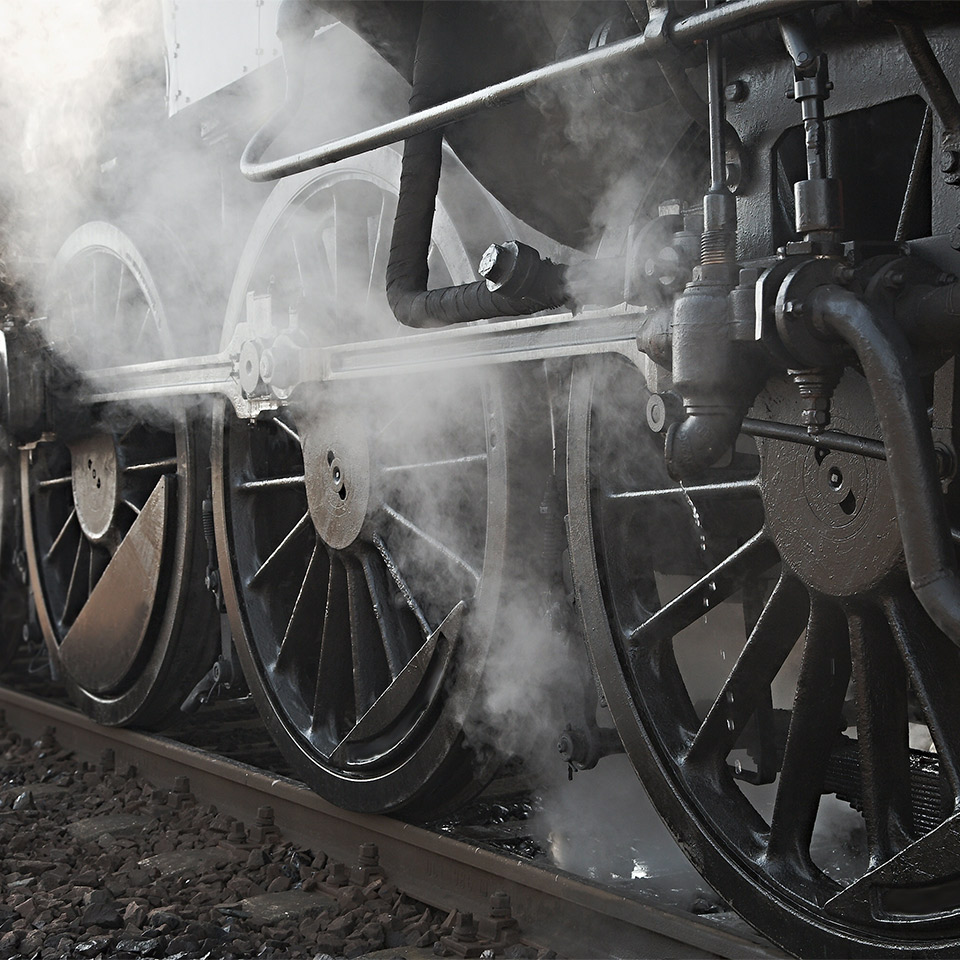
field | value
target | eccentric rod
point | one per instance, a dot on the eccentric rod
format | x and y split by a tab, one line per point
696	27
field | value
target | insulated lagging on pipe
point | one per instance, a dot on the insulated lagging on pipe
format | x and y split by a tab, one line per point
888	366
407	272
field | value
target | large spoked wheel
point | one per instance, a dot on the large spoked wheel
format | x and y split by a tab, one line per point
366	533
111	512
785	699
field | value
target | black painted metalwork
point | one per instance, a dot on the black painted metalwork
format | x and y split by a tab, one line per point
111	515
772	639
369	533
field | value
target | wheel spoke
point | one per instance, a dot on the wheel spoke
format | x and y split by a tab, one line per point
816	722
287	429
333	699
766	649
272	483
881	697
299	636
744	564
58	539
933	664
99	560
55	482
441	548
70	600
143	329
395	638
371	674
169	463
430	464
401	583
119	300
729	489
299	528
378	261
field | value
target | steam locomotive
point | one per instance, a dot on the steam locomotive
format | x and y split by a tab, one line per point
641	314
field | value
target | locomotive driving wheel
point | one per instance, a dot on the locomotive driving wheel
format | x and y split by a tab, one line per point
111	507
366	532
786	701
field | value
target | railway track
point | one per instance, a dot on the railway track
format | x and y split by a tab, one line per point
571	914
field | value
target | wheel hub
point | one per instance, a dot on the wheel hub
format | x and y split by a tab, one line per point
96	485
336	459
832	514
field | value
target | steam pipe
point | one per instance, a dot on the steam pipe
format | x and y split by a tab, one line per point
697	27
407	272
895	387
701	439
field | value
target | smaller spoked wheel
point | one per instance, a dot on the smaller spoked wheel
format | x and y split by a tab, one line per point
111	511
368	527
784	697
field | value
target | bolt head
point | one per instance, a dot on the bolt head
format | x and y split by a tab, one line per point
949	161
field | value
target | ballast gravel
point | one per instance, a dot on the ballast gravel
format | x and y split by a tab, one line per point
97	862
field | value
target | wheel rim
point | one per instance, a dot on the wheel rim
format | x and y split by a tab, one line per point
109	519
806	679
13	589
339	628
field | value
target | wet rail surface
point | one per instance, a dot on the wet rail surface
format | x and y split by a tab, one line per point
232	763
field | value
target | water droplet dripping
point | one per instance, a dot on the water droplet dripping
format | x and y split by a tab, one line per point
729	696
738	766
731	726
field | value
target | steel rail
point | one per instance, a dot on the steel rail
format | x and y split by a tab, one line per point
697	27
553	908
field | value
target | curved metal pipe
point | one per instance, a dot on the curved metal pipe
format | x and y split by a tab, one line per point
699	440
887	363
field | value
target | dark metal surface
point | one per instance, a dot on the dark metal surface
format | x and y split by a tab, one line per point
814	534
110	521
703	710
695	28
357	523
